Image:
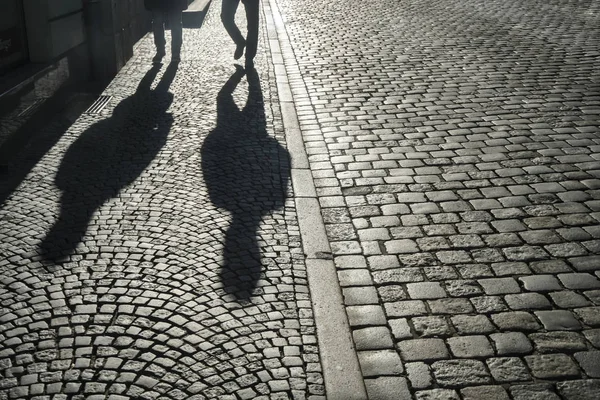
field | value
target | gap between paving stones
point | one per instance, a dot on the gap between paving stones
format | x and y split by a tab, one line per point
341	371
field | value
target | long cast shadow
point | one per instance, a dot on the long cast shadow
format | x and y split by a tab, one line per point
246	172
107	157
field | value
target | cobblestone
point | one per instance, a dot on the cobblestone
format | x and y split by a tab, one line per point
423	349
582	389
378	363
372	338
511	343
517	320
552	342
558	320
552	366
430	326
536	392
437	394
419	375
387	388
470	347
508	369
484	392
590	362
460	372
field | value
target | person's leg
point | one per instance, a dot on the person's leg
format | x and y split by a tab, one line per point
228	10
158	28
176	34
252	15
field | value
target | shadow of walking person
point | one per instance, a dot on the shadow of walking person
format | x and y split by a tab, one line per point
106	158
246	172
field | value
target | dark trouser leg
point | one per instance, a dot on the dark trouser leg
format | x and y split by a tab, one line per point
252	16
176	32
158	28
228	9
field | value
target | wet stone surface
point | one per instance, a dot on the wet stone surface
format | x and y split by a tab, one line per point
152	251
463	137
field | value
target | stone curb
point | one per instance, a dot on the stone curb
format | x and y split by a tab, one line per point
341	371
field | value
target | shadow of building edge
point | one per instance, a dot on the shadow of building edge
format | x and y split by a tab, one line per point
50	115
98	164
246	172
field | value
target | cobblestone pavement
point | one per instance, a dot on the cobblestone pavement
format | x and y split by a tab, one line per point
153	252
455	147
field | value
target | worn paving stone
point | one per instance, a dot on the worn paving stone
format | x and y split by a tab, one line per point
437	394
558	320
516	321
580	389
423	349
419	375
378	363
360	295
527	301
400	328
431	326
495	286
568	299
450	306
387	388
484	392
359	277
540	283
508	369
552	366
593	335
456	373
406	308
534	392
425	290
590	362
579	280
589	315
508	343
489	304
470	346
472	324
391	293
365	315
372	338
552	342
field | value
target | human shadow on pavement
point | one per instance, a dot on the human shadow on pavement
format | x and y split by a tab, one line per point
246	172
107	157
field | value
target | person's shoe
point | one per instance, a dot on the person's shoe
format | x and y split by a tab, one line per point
249	64
239	51
160	53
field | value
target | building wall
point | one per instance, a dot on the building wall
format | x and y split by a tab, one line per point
53	27
13	44
70	43
113	27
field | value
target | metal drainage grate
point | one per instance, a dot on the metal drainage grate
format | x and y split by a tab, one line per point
29	111
98	105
